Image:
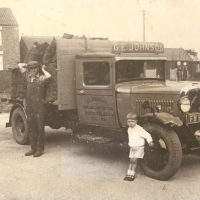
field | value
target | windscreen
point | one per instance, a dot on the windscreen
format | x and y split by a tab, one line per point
129	70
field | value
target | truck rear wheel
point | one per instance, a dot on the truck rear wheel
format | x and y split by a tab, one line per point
164	159
19	126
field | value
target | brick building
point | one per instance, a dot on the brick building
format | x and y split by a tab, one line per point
9	39
9	53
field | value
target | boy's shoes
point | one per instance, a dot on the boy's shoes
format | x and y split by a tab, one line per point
30	153
129	178
126	177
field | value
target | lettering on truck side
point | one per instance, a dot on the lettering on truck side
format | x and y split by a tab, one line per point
138	47
98	109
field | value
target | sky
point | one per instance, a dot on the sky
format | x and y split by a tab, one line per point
175	23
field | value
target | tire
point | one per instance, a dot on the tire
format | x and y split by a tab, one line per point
164	159
19	126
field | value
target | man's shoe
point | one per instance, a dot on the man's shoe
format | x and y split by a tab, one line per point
37	154
30	153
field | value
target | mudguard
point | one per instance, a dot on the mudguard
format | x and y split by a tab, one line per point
163	118
16	105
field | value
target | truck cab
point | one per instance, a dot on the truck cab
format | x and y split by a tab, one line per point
104	82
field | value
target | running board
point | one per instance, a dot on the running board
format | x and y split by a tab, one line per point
94	138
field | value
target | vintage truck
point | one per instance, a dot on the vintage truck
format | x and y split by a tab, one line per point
100	81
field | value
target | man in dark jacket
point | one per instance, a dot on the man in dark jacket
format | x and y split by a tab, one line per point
36	78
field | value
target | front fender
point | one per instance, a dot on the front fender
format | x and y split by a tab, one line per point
16	105
163	118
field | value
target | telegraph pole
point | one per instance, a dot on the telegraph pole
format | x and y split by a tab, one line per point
143	25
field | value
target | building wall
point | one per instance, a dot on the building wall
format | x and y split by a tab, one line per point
5	81
23	50
10	46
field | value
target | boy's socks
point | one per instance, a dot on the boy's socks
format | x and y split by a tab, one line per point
130	176
132	172
129	172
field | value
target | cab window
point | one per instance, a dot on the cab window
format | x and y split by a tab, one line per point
130	70
96	73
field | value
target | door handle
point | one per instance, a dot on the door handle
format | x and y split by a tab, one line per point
81	91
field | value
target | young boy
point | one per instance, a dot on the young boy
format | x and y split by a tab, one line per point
136	141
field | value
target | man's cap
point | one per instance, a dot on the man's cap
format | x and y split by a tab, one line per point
33	64
24	65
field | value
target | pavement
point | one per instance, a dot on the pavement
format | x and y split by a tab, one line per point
73	170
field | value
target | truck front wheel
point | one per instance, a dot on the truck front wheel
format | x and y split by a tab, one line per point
164	159
19	126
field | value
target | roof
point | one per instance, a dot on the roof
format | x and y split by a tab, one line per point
96	55
29	40
140	56
7	18
176	54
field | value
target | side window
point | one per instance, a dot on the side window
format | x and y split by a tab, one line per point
96	73
1	62
150	69
0	35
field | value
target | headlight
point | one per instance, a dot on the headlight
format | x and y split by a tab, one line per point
184	104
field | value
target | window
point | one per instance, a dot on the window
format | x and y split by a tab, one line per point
0	35
130	70
150	70
1	62
197	68
96	73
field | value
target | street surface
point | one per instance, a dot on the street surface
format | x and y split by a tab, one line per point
73	170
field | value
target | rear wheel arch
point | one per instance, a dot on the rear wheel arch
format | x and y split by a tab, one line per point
16	105
19	125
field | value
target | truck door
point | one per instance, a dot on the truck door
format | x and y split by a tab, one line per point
94	92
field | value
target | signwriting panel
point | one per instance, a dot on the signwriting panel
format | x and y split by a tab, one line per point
138	47
98	110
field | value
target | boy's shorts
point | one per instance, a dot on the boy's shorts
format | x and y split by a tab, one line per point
136	152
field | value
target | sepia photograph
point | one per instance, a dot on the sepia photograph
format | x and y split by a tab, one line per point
99	99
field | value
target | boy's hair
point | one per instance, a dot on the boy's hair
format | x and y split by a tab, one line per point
131	116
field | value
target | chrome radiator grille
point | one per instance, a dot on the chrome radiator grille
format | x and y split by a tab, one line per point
166	106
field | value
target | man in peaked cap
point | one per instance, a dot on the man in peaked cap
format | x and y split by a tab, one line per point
36	77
